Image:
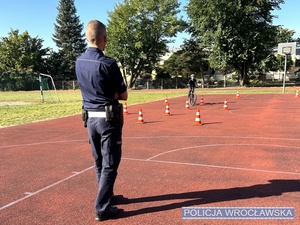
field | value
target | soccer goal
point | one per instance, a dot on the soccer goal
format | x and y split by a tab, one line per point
45	88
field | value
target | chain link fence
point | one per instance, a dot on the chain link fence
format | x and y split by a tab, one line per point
273	80
66	85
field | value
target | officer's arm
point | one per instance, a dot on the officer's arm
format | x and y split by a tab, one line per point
119	82
123	96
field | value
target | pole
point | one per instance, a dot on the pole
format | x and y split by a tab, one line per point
41	88
53	84
284	75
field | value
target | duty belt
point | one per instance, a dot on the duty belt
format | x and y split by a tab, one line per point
96	114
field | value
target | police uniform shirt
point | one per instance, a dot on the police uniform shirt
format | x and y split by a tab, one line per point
99	79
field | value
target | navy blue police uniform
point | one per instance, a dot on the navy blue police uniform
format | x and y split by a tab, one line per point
99	79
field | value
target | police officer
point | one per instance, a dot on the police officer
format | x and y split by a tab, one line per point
101	86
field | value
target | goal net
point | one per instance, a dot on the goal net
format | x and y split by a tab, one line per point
47	88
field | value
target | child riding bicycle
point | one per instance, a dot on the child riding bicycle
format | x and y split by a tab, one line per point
192	84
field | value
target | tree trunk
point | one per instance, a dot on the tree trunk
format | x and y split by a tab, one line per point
133	78
124	75
131	82
243	74
241	80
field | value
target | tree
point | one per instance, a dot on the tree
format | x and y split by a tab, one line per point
197	56
139	32
68	37
21	52
20	56
239	32
162	74
53	65
191	59
284	35
281	61
176	64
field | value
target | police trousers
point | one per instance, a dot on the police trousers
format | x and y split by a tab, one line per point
106	143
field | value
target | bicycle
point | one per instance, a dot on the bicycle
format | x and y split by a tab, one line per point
192	97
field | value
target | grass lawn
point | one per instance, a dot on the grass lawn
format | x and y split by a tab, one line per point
26	107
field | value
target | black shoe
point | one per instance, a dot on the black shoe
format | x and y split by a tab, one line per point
112	197
109	212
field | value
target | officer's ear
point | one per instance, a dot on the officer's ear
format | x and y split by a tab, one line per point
103	42
105	39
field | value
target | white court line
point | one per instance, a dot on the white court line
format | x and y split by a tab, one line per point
30	194
214	145
43	143
202	136
154	137
214	166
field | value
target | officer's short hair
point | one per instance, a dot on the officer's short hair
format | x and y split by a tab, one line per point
94	30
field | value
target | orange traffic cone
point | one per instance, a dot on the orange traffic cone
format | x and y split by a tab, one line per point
202	100
225	107
166	100
125	110
198	118
237	94
297	94
140	118
187	105
167	112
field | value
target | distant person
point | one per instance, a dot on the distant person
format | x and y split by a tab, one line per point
101	85
192	84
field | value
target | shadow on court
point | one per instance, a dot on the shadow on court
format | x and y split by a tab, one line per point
274	188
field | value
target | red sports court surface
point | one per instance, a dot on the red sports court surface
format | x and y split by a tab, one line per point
248	156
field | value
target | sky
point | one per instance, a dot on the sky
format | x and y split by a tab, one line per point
38	16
